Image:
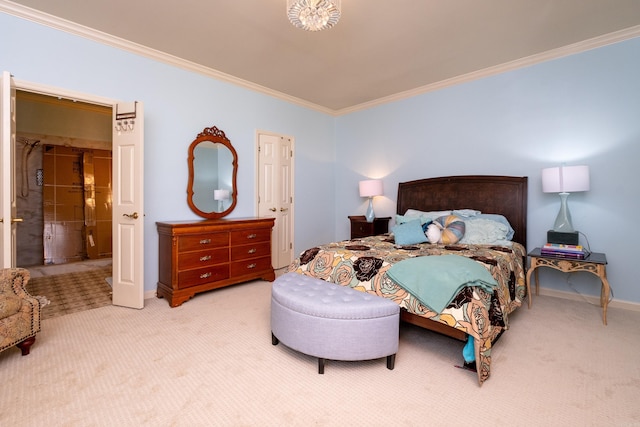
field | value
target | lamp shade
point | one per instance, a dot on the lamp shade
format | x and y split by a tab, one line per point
220	194
565	179
370	188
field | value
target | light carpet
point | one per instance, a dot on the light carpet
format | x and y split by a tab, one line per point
210	362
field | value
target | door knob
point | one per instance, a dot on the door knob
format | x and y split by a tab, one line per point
132	216
16	219
272	209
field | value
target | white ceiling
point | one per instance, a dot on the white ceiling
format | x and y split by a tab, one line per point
378	50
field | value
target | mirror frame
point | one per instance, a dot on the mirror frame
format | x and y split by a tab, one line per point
215	135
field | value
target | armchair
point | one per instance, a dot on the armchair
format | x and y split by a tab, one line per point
19	311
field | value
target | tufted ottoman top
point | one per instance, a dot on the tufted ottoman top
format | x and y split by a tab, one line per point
318	298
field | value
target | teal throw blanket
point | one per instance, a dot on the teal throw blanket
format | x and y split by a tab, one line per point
436	280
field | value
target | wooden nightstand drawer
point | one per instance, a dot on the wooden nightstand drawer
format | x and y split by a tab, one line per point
361	228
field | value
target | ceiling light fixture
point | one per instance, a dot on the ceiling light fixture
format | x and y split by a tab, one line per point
313	15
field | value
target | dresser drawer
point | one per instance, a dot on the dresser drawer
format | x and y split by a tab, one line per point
240	268
250	251
202	275
202	241
245	237
191	260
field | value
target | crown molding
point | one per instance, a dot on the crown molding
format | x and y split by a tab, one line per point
107	39
117	42
582	46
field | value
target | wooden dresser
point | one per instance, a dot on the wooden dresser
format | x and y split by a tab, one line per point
203	255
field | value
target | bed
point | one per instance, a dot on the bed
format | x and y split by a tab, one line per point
475	315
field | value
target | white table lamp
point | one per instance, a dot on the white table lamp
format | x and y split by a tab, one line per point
370	188
565	180
220	196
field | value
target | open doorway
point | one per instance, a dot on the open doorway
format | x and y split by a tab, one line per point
63	184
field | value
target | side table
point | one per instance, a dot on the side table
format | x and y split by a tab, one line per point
595	263
361	228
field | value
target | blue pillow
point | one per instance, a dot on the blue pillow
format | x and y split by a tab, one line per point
501	219
409	233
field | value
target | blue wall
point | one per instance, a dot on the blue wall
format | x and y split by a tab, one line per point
178	105
581	109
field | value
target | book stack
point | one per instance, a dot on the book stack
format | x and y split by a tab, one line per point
564	251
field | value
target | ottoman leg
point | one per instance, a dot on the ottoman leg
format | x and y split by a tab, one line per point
391	361
320	365
274	340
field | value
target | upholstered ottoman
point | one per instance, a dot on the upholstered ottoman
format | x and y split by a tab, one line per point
334	322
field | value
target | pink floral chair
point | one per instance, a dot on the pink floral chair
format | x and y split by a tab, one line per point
19	311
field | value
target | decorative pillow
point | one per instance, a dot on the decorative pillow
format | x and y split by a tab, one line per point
409	233
426	225
433	233
452	227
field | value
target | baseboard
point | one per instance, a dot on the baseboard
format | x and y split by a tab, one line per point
626	305
150	294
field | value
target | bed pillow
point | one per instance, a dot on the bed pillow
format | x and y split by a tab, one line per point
501	219
409	233
427	214
424	217
452	227
467	214
483	231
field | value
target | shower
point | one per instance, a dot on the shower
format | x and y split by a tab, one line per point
27	148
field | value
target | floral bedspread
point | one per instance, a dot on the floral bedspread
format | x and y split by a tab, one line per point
362	264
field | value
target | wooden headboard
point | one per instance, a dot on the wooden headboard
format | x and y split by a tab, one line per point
505	195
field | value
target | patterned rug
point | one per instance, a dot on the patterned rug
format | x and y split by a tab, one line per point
72	292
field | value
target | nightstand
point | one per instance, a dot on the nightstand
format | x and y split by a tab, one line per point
361	228
595	263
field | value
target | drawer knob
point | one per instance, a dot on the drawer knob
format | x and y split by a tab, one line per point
252	236
205	275
205	258
205	241
252	251
250	266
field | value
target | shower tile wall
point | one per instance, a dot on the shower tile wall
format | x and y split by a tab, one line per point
28	204
65	234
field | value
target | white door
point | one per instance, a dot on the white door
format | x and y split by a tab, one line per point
128	187
7	165
275	193
128	206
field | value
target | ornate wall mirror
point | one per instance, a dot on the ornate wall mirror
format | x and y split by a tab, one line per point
213	165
